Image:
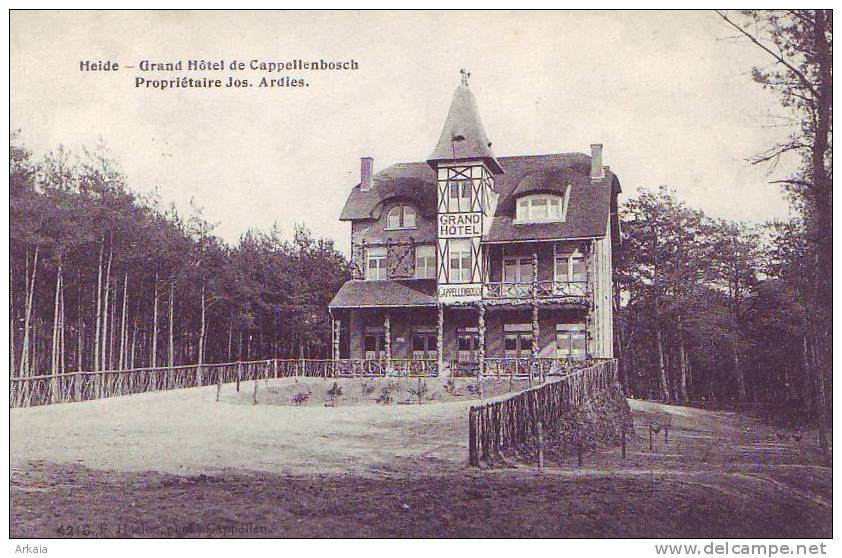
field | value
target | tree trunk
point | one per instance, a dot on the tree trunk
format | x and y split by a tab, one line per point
171	354
80	325
123	324
738	374
27	320
104	348
201	355
682	369
154	357
662	371
61	328
230	336
56	333
12	315
98	333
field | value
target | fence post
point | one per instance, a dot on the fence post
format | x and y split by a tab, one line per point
623	442
473	457
239	374
218	383
541	445
254	394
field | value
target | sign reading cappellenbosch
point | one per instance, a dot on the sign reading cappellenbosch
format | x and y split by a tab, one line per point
467	292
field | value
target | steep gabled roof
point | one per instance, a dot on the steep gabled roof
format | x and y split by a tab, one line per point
587	214
463	136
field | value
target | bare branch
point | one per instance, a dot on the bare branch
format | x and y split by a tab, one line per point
807	83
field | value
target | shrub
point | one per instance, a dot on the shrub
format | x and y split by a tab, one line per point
367	388
419	391
334	393
450	386
385	396
301	397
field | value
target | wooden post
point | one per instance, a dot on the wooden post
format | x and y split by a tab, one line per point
536	328
387	341
623	442
254	394
473	456
440	339
239	374
218	383
336	339
541	446
77	386
651	442
481	331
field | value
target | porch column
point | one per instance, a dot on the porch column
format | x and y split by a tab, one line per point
387	334
536	332
440	339
481	329
337	327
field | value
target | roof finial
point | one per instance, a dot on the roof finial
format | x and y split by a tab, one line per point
465	75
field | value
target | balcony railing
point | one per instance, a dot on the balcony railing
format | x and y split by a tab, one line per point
501	291
387	367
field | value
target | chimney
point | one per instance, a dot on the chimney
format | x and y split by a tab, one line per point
597	171
366	173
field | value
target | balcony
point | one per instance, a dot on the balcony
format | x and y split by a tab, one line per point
547	291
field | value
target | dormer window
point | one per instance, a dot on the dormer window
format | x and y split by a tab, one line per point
401	217
541	208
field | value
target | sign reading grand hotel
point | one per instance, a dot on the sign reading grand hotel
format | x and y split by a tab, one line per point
460	225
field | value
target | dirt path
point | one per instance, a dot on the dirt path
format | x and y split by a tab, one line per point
180	464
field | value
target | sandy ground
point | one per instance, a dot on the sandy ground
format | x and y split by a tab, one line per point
180	464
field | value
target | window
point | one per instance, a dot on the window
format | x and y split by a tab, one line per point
570	268
517	270
401	217
374	342
468	341
425	262
376	264
461	196
461	260
540	208
424	343
517	340
571	340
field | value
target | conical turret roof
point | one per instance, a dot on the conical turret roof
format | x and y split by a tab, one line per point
463	136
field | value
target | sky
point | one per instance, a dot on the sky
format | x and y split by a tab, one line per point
666	93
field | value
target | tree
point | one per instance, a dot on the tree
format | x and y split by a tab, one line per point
800	45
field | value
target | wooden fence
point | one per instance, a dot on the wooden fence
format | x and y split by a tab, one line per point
516	420
30	391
